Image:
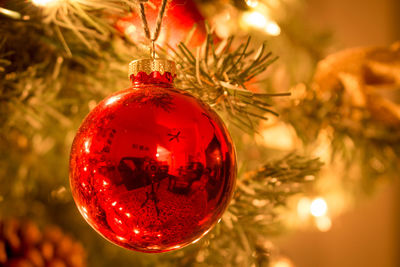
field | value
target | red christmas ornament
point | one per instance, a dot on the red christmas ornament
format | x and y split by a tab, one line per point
181	16
152	168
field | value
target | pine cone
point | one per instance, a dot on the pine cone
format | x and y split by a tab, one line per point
22	244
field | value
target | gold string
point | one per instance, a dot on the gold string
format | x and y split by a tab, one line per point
146	29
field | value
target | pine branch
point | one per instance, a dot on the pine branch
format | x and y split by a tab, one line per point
260	192
45	94
253	214
89	20
218	73
374	144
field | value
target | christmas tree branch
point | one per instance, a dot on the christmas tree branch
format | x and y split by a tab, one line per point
260	192
219	73
258	196
45	94
355	137
88	20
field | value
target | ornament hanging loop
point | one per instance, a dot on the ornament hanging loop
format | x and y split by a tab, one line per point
157	30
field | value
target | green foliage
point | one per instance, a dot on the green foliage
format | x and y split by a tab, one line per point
52	73
218	73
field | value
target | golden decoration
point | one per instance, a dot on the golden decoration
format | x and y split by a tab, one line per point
150	65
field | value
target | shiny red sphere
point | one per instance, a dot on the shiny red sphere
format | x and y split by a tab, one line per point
152	168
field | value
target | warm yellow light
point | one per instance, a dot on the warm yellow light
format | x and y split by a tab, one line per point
278	136
303	208
262	22
252	3
272	28
282	263
323	223
255	19
10	13
44	2
318	207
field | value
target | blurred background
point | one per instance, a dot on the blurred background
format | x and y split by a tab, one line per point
368	235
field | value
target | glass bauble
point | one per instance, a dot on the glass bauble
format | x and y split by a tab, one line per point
152	168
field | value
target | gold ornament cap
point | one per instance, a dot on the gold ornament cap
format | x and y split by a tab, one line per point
149	65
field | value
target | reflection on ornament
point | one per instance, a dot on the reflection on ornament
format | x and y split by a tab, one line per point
152	168
272	28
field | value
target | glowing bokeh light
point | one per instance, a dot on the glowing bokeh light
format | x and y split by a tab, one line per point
112	100
318	207
121	238
252	3
272	28
277	136
323	223
303	208
262	22
87	144
255	19
283	262
44	2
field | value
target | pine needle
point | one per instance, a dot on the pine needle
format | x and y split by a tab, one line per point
218	75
